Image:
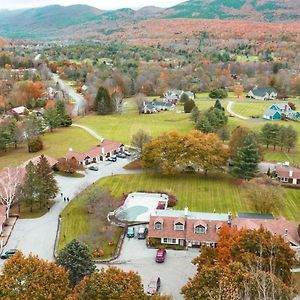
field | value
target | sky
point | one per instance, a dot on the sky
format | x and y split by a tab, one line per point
102	4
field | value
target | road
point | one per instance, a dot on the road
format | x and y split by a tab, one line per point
80	103
37	236
229	109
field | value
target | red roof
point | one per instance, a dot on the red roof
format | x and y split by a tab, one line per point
35	160
288	172
77	155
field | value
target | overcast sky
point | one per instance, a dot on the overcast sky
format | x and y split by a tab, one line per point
102	4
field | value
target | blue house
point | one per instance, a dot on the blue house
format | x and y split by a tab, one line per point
276	111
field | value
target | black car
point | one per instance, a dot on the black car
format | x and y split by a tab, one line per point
112	158
93	168
8	253
142	233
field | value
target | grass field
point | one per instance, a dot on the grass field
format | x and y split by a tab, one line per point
199	193
24	211
56	145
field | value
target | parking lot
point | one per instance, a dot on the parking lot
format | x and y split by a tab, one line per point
174	272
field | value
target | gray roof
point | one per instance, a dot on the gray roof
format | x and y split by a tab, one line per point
161	103
281	105
150	105
271	112
192	215
255	216
263	91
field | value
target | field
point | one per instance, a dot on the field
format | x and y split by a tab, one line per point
56	145
199	193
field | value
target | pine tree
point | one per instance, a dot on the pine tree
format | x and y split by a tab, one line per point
246	162
47	185
103	103
77	260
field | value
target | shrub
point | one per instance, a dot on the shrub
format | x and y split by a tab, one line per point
172	200
189	105
218	93
35	145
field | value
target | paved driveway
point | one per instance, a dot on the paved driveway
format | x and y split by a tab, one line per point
37	236
174	272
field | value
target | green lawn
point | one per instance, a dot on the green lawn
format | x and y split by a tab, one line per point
24	211
56	145
199	193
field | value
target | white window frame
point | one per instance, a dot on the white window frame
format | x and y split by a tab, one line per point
158	227
178	226
169	241
202	231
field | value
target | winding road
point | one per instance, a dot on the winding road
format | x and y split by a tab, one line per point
80	103
229	109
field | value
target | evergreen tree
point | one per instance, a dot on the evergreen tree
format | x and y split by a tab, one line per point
47	185
189	105
291	138
184	98
203	124
103	103
223	133
77	260
218	105
30	185
195	114
246	162
53	118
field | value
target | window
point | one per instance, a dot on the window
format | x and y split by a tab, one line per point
158	226
284	179
169	241
200	229
178	226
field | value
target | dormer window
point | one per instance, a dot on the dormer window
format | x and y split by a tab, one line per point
158	226
200	229
178	226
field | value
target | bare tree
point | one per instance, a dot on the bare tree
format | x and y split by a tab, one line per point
139	100
10	182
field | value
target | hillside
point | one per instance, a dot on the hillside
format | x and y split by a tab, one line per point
85	21
255	10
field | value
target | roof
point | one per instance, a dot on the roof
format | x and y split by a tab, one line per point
282	105
271	112
288	230
288	172
35	160
192	215
19	110
77	155
255	216
109	146
262	91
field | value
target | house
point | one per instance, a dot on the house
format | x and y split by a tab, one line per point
287	174
148	108
97	153
173	96
267	93
156	106
184	228
196	229
20	111
277	110
288	230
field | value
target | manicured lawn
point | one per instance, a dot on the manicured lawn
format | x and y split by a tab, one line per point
56	145
24	211
199	193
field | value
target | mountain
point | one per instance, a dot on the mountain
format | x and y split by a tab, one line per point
256	10
56	21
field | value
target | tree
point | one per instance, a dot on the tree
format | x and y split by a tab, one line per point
246	264
32	131
172	152
291	138
195	113
139	101
77	260
269	134
103	103
246	162
64	119
218	94
238	90
69	165
112	284
35	144
223	133
10	182
29	186
15	132
184	98
139	139
189	105
237	139
47	186
218	105
52	118
211	120
33	278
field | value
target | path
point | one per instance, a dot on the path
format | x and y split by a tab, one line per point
90	131
229	109
80	103
37	236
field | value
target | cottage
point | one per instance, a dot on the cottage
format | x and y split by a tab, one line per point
156	106
268	93
97	153
20	111
287	174
277	110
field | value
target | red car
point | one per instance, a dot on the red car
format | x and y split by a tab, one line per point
160	255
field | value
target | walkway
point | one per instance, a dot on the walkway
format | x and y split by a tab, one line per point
90	131
229	109
37	236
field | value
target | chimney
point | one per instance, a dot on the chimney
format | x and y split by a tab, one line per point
290	173
70	149
229	219
186	211
285	232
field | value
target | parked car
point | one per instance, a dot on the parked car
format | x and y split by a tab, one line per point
153	286
130	232
160	255
93	168
121	155
8	253
142	233
127	153
112	158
